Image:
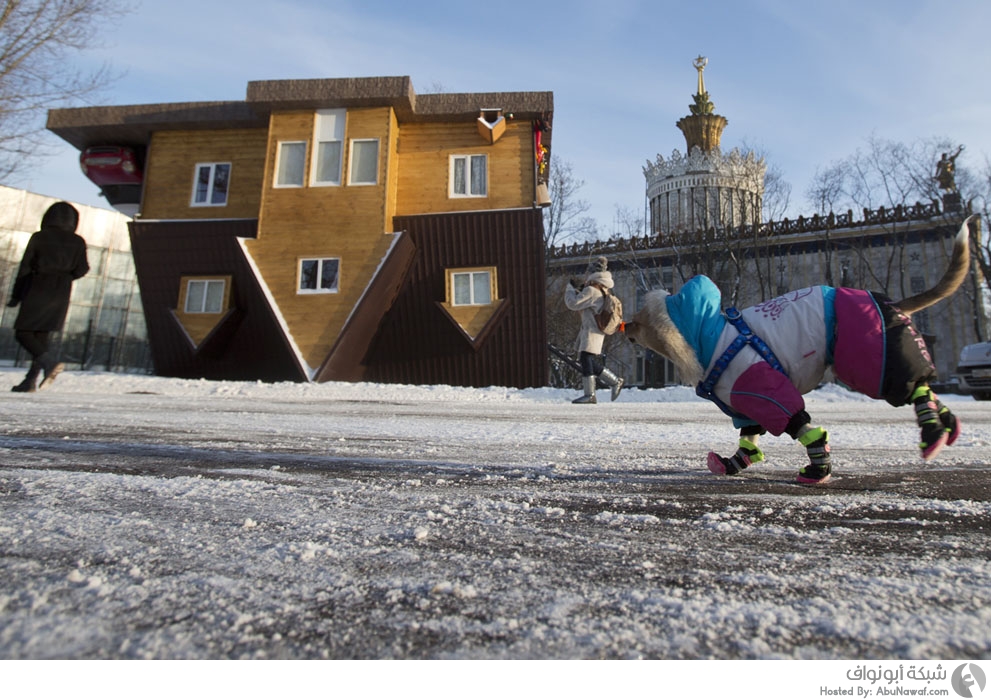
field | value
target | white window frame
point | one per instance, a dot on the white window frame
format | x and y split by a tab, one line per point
278	165
467	158
328	128
211	184
489	274
207	283
352	162
320	261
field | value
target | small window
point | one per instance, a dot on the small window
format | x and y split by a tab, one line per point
472	287
291	164
364	162
204	296
210	184
469	176
328	139
319	275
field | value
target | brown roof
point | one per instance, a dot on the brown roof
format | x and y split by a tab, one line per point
132	125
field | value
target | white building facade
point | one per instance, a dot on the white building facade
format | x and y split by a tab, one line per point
105	326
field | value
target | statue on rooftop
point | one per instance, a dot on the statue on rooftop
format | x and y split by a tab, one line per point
945	171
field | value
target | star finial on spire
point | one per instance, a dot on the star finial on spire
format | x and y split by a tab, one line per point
700	64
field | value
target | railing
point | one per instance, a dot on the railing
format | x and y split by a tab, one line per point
812	224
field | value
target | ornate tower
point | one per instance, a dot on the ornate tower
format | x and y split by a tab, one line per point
704	189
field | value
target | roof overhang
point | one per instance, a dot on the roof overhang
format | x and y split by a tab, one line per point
133	125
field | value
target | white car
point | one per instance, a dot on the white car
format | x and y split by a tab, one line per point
974	371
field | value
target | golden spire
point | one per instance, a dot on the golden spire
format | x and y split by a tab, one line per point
700	64
703	127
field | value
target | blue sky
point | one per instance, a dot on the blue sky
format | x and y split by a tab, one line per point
803	82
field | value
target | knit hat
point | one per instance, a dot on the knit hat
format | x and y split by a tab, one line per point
596	273
598	265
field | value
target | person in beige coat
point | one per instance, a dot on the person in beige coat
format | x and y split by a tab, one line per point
586	298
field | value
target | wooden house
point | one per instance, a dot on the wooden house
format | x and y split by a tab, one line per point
338	229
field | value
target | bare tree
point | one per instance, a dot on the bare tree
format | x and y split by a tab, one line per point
888	174
37	38
629	226
628	223
564	219
777	194
884	174
775	190
827	191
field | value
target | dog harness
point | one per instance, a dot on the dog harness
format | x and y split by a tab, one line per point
745	337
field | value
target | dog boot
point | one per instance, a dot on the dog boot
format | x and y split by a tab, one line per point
950	422
819	468
746	454
615	383
588	385
934	435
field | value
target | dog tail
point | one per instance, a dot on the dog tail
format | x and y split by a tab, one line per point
954	276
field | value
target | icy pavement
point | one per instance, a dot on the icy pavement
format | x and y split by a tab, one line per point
156	518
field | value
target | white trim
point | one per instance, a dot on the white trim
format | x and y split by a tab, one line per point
467	158
206	282
211	183
310	372
278	165
487	271
186	221
351	162
395	239
320	261
328	127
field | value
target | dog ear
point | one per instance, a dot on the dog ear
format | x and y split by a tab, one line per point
631	329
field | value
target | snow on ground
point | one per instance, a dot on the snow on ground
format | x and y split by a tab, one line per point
157	518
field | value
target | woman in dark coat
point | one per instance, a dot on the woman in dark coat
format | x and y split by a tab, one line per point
54	258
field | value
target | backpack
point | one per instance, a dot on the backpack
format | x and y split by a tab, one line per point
611	316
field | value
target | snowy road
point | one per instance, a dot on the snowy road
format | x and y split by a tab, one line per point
155	518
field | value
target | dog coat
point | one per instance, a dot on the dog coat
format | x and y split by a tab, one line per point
871	346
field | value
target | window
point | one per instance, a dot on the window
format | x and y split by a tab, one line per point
210	184
364	162
290	164
468	176
328	139
472	287
204	296
319	275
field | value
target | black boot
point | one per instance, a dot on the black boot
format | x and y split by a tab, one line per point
30	379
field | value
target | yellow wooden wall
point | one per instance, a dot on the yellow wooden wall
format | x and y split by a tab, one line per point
424	167
199	325
170	172
346	222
